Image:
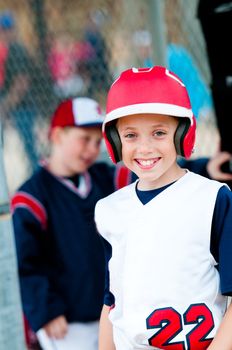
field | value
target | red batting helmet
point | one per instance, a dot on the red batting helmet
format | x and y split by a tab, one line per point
149	91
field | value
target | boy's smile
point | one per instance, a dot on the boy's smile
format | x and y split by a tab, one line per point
148	148
147	163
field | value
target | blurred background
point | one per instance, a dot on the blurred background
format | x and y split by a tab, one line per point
69	48
51	50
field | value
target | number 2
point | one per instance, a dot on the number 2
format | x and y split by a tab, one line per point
170	323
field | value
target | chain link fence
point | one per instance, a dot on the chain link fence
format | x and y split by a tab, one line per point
57	49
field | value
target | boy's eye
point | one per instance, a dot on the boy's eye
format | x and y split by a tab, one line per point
85	138
129	135
159	133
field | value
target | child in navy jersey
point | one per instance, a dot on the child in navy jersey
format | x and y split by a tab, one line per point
169	234
60	255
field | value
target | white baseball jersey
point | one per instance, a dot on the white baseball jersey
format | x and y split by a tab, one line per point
162	273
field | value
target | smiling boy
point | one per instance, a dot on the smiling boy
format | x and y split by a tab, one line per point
170	272
157	166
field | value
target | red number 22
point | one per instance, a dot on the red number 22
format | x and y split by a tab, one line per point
170	324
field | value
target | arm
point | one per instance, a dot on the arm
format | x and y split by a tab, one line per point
106	331
106	328
214	167
223	338
209	167
221	248
41	302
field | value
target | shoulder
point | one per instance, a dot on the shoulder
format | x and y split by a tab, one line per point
223	205
109	209
199	188
221	227
32	192
224	196
117	198
34	183
30	198
204	181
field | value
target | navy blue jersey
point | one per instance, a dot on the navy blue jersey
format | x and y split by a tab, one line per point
60	255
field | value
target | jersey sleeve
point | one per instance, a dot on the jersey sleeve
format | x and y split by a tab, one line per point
40	302
100	220
108	296
221	238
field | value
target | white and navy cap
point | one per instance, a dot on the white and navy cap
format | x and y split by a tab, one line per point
79	111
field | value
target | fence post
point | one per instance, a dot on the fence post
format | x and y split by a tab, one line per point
158	31
11	316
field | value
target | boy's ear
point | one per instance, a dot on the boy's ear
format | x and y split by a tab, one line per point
55	135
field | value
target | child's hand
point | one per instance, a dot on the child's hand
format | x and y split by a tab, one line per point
57	328
214	167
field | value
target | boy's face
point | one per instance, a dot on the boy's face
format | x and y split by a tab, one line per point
77	148
148	148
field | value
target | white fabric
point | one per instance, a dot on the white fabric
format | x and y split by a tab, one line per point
80	336
86	111
161	258
149	108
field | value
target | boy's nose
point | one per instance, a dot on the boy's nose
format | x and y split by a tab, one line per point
93	147
145	145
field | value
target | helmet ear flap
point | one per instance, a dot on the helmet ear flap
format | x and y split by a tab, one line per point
114	140
184	139
179	137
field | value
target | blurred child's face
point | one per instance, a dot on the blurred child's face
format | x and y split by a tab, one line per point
76	148
148	148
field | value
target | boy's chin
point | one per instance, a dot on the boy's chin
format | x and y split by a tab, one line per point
80	170
82	167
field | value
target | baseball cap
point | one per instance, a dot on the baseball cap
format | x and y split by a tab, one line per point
6	20
79	111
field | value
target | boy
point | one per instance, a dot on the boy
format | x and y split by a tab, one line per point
60	255
170	269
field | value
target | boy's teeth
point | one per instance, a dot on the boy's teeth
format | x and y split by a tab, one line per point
146	162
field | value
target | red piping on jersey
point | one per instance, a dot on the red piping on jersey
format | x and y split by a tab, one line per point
111	307
25	200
